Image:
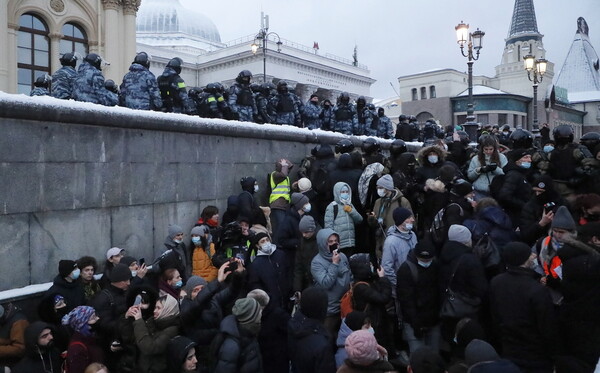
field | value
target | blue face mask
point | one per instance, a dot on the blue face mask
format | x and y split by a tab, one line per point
548	148
424	264
195	239
525	164
75	274
178	284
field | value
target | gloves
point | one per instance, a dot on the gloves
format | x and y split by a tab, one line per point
348	208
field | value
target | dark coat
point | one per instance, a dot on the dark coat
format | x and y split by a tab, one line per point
493	221
271	274
83	350
110	306
453	213
248	208
179	258
12	334
240	352
515	191
152	337
420	299
304	256
470	275
379	366
37	360
525	318
531	214
310	345
71	291
371	298
273	339
287	236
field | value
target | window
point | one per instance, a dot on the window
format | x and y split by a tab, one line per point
483	119
414	94
74	40
515	120
432	91
423	93
33	51
502	119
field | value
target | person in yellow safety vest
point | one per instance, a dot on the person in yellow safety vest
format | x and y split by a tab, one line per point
279	199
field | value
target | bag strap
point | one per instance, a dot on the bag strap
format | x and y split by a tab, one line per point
413	270
454	272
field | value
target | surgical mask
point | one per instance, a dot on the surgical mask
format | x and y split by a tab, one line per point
267	248
371	330
195	239
133	273
470	200
433	159
178	284
75	274
548	148
255	188
525	165
177	241
424	264
408	226
381	192
556	244
307	207
344	196
505	133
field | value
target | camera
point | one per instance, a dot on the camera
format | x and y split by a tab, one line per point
232	266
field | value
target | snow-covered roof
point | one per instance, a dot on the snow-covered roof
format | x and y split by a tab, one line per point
590	96
482	90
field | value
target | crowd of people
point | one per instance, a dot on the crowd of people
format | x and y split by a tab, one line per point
244	101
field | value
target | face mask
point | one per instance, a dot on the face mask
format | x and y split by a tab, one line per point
75	274
178	284
381	192
344	196
133	273
195	239
433	159
548	148
177	241
424	264
408	226
526	165
504	133
267	248
333	247
469	199
592	217
255	188
371	330
307	208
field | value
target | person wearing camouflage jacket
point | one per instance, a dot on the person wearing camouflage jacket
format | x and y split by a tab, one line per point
63	78
241	99
139	89
384	127
311	114
89	84
345	118
285	105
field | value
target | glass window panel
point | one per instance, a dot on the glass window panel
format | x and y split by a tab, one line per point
37	73
24	39
67	29
78	33
26	20
40	42
65	46
24	56
38	24
41	58
81	48
24	89
24	76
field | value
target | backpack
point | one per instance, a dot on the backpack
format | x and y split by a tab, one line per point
64	367
439	226
487	251
496	186
347	300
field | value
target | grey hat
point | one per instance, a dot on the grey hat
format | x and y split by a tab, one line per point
563	219
199	230
298	201
192	282
246	310
459	233
174	230
307	224
386	182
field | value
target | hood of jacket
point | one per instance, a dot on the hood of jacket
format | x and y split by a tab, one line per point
496	216
301	326
337	188
31	337
322	237
136	67
344	332
345	162
393	231
512	166
177	351
453	250
422	156
574	248
60	281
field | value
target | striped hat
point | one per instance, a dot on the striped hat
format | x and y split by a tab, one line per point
247	310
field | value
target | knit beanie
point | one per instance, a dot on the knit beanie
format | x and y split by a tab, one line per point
462	188
563	219
386	182
257	237
261	297
120	273
247	310
313	303
192	282
127	260
544	182
478	351
307	224
77	319
517	154
361	347
174	230
425	360
304	184
459	233
400	214
355	320
65	267
298	201
247	183
515	253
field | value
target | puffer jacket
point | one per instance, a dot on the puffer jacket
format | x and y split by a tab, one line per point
344	222
239	353
481	181
152	337
515	192
334	278
396	247
341	354
384	209
310	345
202	255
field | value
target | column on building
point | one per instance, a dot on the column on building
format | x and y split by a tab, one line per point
8	37
55	49
130	8
113	38
305	90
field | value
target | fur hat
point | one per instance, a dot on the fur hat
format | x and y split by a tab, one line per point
361	347
65	267
86	261
386	182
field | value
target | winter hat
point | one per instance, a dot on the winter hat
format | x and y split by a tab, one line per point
313	303
174	230
127	260
543	182
298	201
86	261
517	154
304	184
386	182
478	351
459	233
247	310
355	320
462	188
307	224
247	183
261	297
77	319
113	251
120	273
361	347
199	230
563	219
65	267
515	253
259	236
400	214
424	249
192	282
425	360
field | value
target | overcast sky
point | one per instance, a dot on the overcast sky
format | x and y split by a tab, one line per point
400	37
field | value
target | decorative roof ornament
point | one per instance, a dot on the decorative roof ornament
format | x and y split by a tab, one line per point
523	25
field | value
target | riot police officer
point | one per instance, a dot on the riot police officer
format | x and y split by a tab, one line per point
63	78
172	88
241	99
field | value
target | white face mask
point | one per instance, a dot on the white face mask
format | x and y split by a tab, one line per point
307	208
381	192
267	248
408	226
371	330
177	241
133	273
433	159
255	188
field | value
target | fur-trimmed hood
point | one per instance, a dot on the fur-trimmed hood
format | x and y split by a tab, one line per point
422	155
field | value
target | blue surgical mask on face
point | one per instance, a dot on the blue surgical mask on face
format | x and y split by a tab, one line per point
548	148
525	164
195	239
344	195
424	264
433	159
408	226
371	330
178	284
75	274
133	273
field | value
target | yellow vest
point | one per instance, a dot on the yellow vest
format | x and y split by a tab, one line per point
281	190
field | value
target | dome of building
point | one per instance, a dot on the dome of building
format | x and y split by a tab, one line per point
169	16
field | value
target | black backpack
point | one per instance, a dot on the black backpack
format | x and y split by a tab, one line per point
487	251
439	227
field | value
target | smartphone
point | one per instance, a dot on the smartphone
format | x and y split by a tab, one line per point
138	300
142	261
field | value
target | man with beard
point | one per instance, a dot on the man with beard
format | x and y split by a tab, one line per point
40	354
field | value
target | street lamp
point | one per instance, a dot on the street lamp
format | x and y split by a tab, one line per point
472	41
535	73
263	36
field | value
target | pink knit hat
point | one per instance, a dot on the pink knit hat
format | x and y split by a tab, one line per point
361	347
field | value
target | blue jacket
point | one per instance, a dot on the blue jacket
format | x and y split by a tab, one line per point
139	89
396	247
343	223
62	82
89	85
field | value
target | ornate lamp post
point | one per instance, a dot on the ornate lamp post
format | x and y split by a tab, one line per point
535	72
263	36
472	41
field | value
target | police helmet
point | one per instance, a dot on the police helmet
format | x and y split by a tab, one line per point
94	60
68	59
265	88
244	76
194	92
370	145
282	86
563	134
220	87
371	107
175	64
254	87
412	118
211	88
43	81
521	139
380	111
344	146
402	117
142	59
361	101
110	85
344	97
398	147
590	140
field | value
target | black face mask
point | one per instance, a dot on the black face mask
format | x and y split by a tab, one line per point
543	198
333	247
593	217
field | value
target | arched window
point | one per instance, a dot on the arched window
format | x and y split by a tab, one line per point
33	51
423	93
415	97
74	40
432	91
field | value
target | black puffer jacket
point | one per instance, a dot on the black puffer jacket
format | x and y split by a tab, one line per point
240	352
470	275
304	256
515	191
371	298
532	212
311	349
71	291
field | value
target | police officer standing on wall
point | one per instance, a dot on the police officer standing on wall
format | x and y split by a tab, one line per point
139	89
172	88
345	118
63	78
285	106
241	99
